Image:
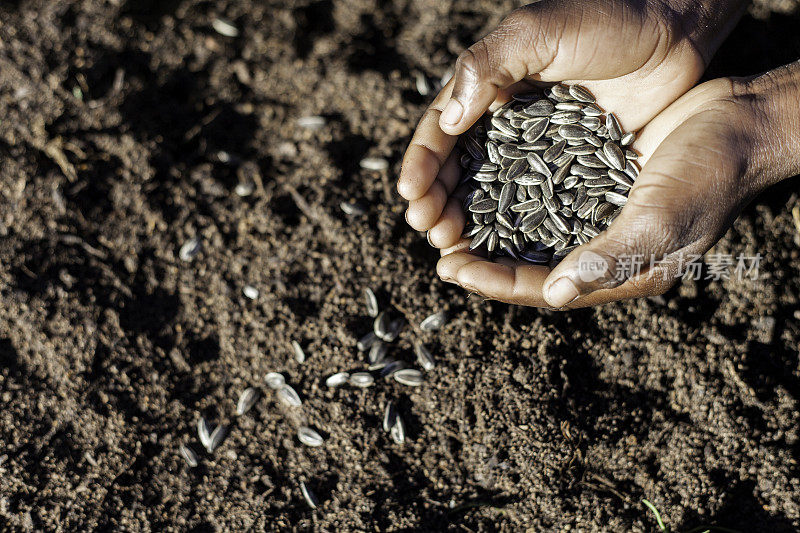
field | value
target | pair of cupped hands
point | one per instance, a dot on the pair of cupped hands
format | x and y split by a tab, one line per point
706	150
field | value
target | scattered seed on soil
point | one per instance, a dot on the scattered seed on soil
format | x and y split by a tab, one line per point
352	208
390	368
338	379
395	327
380	364
223	27
247	399
378	352
433	322
188	455
365	342
381	324
250	292
372	302
299	354
309	496
289	396
190	249
309	437
424	356
361	379
421	83
538	167
204	432
409	376
244	189
274	380
389	416
398	431
374	163
313	122
216	438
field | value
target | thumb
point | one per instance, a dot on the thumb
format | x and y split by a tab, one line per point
500	59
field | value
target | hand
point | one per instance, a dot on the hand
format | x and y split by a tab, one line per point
637	57
713	150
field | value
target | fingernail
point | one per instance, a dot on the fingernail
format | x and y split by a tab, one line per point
562	292
452	112
407	222
428	236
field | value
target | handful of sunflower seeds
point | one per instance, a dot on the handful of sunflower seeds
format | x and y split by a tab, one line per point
548	171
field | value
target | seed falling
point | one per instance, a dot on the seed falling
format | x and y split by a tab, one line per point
372	302
299	354
543	168
352	208
409	376
365	342
274	380
288	396
361	379
424	357
433	322
244	189
309	496
247	399
190	249
250	292
338	379
309	437
188	455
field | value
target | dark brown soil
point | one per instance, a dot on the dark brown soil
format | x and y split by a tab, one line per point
112	115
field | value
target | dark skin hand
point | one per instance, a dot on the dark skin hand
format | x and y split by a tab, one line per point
704	159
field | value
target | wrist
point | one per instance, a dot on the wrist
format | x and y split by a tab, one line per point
705	23
773	100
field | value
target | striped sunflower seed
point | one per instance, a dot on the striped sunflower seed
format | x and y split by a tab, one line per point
338	379
274	380
247	399
288	396
398	431
361	379
409	376
299	354
434	321
188	455
308	496
309	437
389	416
372	302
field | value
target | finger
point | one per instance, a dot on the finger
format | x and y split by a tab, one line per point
500	59
461	246
448	229
426	210
510	281
427	152
448	265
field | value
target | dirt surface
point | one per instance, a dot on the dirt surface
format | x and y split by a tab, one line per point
113	115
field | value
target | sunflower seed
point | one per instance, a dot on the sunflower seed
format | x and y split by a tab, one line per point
616	198
620	177
389	416
424	356
374	163
309	496
504	126
204	432
361	379
433	322
614	130
247	399
365	342
352	208
391	367
554	151
250	292
188	455
299	354
532	221
627	139
288	396
223	27
615	155
313	122
398	430
395	327
337	380
603	211
309	437
536	130
190	249
480	237
378	352
372	302
538	164
216	438
581	94
540	108
529	205
573	131
381	324
274	380
244	189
